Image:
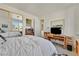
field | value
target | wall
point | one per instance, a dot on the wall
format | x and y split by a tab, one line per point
57	22
37	27
76	22
70	22
25	15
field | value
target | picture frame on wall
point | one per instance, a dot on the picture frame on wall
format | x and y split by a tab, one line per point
28	22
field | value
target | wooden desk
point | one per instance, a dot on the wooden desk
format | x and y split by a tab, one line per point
62	38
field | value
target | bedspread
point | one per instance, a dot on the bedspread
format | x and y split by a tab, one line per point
26	46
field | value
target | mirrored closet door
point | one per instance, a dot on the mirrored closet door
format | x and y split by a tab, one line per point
4	21
10	22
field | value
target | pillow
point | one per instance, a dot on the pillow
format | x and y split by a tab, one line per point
10	34
4	34
14	34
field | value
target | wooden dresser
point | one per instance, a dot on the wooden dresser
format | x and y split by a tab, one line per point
62	38
77	47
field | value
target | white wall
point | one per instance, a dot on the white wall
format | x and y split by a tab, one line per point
37	27
70	22
77	21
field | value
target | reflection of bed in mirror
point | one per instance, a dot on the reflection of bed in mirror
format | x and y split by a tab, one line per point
29	31
17	22
27	45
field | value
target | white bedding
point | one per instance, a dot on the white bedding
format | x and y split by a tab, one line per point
11	34
27	46
46	46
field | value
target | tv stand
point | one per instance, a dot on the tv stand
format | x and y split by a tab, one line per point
62	38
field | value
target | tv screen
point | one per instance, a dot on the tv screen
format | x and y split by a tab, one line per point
56	30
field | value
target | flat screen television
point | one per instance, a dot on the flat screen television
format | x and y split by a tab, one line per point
56	30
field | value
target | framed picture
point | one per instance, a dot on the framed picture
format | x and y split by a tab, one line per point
28	22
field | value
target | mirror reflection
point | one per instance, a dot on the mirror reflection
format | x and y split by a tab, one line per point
17	23
4	21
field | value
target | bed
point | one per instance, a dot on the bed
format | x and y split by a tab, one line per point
16	45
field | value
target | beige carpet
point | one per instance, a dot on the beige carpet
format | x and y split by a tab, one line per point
62	50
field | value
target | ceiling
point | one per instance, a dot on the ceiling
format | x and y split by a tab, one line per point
40	9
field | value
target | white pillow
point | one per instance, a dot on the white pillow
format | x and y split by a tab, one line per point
4	34
10	34
13	34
